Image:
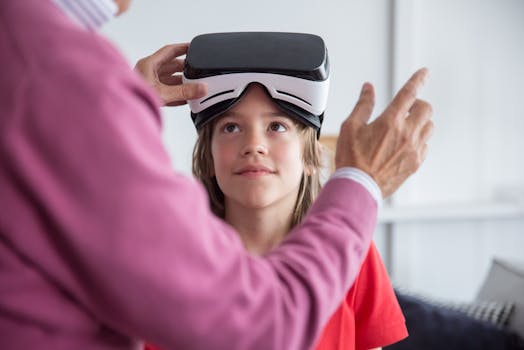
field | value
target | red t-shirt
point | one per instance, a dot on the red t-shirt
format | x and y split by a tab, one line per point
369	317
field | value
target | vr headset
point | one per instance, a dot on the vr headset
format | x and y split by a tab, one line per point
293	67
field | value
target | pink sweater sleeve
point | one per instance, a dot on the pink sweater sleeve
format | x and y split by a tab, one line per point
89	199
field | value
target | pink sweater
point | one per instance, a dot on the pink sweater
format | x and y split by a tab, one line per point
103	244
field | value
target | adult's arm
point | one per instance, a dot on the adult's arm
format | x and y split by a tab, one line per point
95	206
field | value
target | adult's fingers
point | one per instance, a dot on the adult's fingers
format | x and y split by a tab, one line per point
419	114
171	79
183	92
168	52
176	65
426	132
423	153
407	95
176	103
365	104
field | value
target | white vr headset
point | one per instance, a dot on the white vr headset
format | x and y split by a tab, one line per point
293	67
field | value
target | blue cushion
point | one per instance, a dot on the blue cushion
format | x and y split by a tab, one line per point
434	327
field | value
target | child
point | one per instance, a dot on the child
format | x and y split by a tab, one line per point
259	160
261	169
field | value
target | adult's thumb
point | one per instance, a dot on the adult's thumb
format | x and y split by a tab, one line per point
183	92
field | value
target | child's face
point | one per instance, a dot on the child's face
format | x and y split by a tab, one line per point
257	153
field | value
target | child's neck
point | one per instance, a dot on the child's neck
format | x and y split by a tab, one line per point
260	229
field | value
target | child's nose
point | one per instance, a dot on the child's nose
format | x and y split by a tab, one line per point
254	144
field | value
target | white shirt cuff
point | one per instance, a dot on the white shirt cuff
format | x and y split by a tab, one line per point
362	178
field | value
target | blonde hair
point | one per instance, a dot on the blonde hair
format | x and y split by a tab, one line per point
203	169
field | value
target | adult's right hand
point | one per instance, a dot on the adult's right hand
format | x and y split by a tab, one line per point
161	71
393	146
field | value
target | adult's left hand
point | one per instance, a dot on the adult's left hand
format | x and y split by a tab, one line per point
159	70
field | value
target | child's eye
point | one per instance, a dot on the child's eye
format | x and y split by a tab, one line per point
230	127
277	127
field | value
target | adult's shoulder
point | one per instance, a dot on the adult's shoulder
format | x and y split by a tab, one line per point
65	75
46	42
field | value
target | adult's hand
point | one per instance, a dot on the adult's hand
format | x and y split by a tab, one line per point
159	70
393	146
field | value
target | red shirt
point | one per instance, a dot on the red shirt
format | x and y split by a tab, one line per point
369	317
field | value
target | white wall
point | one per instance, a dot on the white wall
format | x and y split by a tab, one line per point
475	51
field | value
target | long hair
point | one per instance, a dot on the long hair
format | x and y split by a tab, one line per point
203	169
